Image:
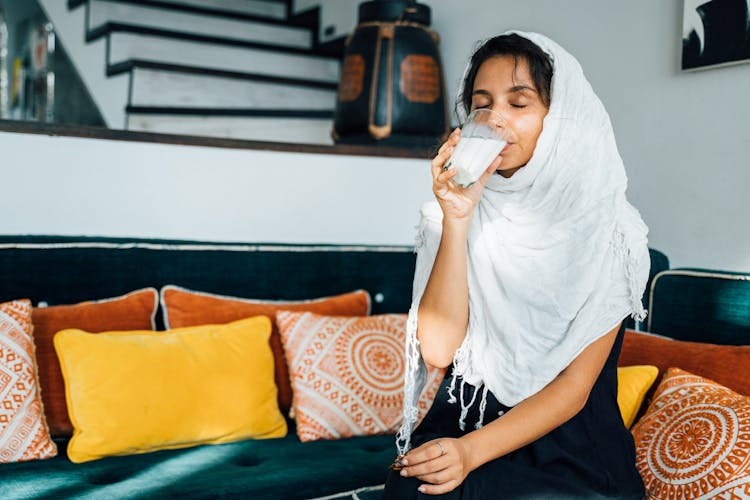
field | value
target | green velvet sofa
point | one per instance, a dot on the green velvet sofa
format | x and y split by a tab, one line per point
66	270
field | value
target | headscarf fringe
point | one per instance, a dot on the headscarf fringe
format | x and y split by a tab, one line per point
623	250
482	408
410	411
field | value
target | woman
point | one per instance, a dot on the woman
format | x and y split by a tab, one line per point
521	286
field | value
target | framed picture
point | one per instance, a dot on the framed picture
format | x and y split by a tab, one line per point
715	33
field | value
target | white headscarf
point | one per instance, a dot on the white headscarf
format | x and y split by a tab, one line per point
557	257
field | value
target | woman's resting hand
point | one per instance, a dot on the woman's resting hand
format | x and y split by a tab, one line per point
456	202
441	463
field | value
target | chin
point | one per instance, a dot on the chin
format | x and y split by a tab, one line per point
508	171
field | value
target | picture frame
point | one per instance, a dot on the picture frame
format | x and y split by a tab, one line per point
715	33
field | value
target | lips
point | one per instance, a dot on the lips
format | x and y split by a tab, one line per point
506	147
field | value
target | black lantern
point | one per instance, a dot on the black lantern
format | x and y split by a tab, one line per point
392	88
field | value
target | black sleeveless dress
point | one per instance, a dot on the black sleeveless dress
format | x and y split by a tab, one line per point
590	456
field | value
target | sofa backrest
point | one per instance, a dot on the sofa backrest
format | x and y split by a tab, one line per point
701	305
68	269
71	269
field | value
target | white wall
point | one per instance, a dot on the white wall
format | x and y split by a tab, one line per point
684	138
341	15
72	186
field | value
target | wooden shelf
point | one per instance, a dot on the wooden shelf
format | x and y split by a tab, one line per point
26	127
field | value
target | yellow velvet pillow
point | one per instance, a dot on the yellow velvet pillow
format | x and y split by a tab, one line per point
633	382
141	391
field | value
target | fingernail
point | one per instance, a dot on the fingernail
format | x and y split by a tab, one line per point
403	462
421	489
403	472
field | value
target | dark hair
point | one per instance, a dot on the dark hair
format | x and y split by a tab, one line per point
540	65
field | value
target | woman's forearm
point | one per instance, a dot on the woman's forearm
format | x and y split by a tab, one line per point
528	421
444	308
539	414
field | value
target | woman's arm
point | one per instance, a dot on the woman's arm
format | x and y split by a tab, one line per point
546	410
444	307
531	419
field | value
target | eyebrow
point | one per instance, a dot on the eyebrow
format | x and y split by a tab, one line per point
517	88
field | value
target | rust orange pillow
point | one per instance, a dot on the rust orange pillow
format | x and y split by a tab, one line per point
717	362
23	429
133	311
348	373
694	440
183	307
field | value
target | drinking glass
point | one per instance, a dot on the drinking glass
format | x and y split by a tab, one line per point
483	137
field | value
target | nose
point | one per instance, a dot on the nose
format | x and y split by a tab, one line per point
498	119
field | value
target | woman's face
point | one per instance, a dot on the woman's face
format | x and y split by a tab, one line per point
506	87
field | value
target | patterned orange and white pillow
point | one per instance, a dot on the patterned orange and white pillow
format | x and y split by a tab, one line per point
23	430
347	373
694	440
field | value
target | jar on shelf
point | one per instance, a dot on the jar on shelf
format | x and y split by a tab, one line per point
392	87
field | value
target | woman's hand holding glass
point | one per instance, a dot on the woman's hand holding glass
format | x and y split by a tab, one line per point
456	202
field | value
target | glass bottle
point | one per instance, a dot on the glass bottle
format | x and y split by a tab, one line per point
4	103
41	73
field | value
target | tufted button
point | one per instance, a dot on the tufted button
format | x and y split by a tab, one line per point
379	298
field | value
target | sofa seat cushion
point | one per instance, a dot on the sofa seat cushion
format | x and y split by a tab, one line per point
271	468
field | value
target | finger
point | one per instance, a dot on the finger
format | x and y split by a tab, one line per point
439	161
452	139
495	163
489	171
438	477
428	451
429	467
438	489
446	175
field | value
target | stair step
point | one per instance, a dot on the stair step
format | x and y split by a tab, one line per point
189	90
125	48
294	130
102	14
254	8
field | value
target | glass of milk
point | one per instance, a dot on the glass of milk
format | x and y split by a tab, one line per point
483	136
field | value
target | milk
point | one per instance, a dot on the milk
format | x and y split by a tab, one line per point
472	157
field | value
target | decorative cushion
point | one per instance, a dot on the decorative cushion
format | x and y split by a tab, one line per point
23	429
694	440
632	384
140	391
348	373
133	311
183	307
717	362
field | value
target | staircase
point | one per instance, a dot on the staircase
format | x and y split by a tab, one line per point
242	69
